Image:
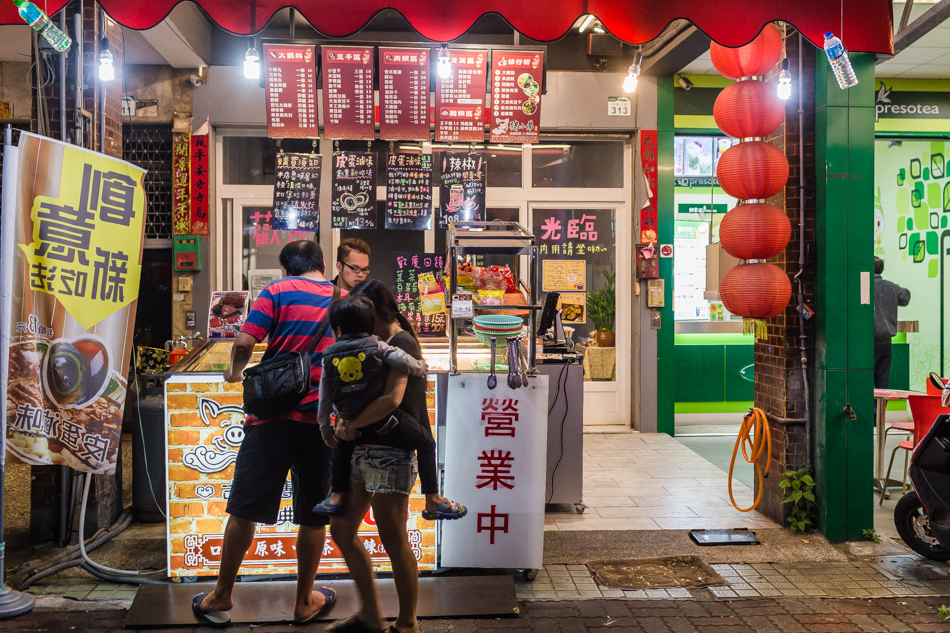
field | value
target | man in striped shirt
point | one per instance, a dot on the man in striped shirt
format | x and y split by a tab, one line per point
287	313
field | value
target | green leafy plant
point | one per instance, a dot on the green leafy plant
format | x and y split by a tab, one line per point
602	304
798	487
943	612
871	534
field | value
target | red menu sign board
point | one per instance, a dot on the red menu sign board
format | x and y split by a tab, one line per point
460	99
290	83
199	185
348	110
516	96
404	94
648	214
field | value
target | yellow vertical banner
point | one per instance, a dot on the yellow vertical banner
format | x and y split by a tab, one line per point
77	222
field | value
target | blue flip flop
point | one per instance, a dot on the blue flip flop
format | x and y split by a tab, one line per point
324	507
217	619
330	595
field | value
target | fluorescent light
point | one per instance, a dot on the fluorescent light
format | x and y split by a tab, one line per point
633	73
252	61
586	23
445	63
106	67
784	82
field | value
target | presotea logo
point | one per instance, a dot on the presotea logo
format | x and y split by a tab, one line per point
910	105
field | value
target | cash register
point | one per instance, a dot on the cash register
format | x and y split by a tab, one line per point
555	348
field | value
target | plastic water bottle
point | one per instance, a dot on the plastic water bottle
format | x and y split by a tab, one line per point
839	61
35	17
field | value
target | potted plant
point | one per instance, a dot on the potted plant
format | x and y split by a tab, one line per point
601	308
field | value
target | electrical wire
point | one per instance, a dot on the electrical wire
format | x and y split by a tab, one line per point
755	435
557	393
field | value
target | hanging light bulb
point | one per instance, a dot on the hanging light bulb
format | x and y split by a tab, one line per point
633	73
106	69
445	63
252	61
784	82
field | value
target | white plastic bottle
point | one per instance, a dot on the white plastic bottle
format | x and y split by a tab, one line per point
839	61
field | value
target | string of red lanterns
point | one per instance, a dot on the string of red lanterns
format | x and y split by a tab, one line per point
752	171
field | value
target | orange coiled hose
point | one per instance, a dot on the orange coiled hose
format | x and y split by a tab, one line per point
755	435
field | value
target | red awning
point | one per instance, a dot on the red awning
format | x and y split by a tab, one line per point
867	25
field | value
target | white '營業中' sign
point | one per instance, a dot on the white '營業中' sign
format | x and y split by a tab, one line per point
495	455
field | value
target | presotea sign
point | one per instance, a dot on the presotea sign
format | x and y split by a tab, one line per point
204	420
911	106
73	222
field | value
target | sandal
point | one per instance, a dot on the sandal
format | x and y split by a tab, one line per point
217	619
448	510
330	596
324	507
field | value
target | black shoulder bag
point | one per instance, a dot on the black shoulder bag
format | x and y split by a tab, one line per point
279	384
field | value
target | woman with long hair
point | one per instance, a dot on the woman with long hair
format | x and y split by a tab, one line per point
382	478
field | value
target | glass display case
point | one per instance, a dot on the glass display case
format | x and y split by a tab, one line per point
213	356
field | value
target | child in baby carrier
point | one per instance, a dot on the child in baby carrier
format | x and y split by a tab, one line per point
354	374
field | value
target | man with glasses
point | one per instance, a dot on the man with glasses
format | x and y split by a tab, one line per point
352	263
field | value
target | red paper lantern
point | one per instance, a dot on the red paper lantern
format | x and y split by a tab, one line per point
752	170
755	231
755	291
748	108
755	58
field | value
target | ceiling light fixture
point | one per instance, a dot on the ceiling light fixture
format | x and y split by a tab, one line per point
106	67
445	63
633	73
252	61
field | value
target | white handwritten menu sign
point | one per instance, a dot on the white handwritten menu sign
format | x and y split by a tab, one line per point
354	190
460	99
516	96
290	83
404	94
348	110
462	187
297	192
407	272
409	192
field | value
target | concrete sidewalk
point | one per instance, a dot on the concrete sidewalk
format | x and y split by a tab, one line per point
764	615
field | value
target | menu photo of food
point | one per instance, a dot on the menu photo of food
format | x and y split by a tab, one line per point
228	313
573	307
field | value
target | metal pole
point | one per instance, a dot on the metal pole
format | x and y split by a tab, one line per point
12	603
62	80
102	86
77	40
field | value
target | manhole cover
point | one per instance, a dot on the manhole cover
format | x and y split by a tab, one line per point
648	573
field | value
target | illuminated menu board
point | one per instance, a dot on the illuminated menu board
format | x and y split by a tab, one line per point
404	94
516	96
460	99
291	90
348	110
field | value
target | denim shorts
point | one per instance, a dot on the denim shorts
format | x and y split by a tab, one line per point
382	469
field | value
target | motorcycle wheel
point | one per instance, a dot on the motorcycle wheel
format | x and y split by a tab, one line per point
914	528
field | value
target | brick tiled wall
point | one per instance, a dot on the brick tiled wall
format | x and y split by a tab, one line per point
779	388
105	498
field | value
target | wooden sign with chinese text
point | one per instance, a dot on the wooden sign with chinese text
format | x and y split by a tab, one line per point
200	201
354	190
297	192
409	192
462	187
181	192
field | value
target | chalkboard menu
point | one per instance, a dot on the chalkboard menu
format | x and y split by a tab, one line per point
407	269
409	192
516	96
354	190
291	86
460	99
462	187
297	192
404	94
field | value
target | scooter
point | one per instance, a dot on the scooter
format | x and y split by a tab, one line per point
922	516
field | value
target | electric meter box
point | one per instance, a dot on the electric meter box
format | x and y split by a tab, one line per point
187	253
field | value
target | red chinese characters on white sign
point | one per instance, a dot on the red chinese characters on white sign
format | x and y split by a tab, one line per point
495	456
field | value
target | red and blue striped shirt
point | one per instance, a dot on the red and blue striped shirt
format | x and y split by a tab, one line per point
288	313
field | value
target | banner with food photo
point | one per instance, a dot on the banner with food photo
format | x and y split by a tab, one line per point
73	224
227	313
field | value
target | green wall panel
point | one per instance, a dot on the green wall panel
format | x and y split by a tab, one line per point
700	372
900	367
737	357
666	354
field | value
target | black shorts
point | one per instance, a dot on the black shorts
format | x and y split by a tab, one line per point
267	452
